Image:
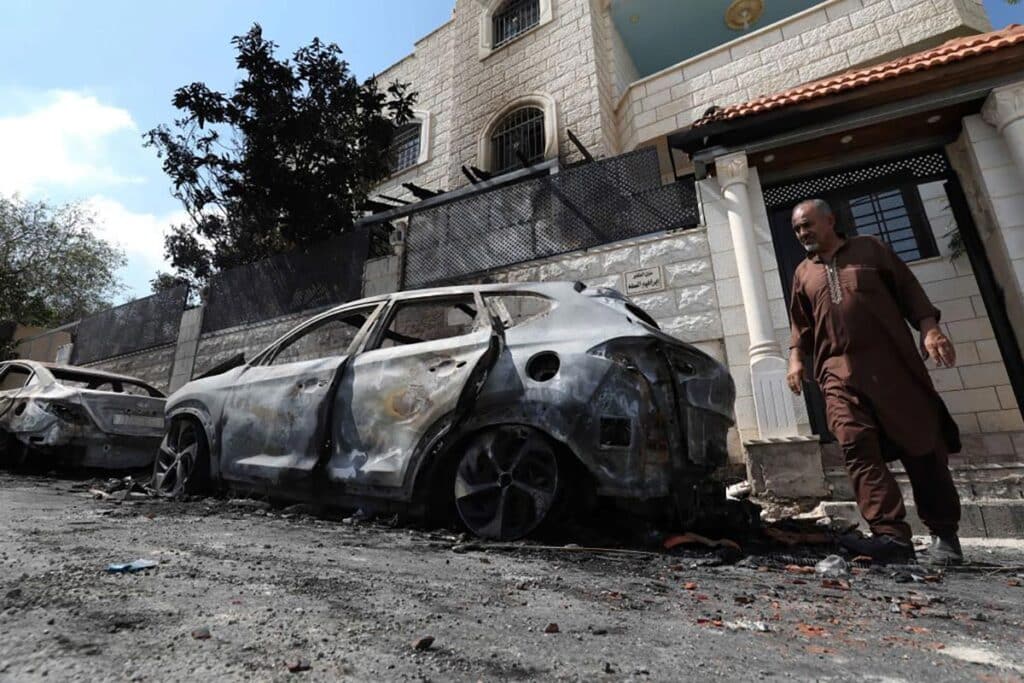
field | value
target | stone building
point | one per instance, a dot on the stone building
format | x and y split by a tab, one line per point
908	115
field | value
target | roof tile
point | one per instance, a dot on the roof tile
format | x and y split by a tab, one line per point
955	50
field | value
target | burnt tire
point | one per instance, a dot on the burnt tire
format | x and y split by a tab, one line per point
182	465
506	482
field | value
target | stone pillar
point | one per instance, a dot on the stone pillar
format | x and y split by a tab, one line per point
1004	110
773	403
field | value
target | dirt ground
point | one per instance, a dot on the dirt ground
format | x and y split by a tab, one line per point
273	588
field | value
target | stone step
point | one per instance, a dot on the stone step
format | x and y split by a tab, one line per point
988	482
980	518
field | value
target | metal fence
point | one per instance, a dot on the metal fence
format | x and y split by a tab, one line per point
137	325
577	208
327	273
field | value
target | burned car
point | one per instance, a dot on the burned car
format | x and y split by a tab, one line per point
495	402
61	414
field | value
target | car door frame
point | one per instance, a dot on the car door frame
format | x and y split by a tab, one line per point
445	422
327	369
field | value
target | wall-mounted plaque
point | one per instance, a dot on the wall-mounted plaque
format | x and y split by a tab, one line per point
644	280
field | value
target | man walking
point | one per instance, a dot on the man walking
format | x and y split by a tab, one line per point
850	300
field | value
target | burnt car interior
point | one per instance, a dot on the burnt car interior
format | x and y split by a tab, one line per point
84	380
422	321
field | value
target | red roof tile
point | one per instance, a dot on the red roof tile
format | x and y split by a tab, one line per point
949	52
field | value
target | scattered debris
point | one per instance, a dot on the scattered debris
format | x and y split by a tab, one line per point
131	567
690	586
832	567
690	538
298	664
739	491
757	626
551	628
202	633
423	643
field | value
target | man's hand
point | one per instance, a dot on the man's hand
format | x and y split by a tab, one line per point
936	345
795	374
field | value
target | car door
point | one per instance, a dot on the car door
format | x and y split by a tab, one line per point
428	358
274	419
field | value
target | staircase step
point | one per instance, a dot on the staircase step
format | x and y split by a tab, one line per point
980	518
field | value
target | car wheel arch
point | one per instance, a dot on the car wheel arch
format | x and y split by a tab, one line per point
202	417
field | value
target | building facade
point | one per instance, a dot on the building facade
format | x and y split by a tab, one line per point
715	89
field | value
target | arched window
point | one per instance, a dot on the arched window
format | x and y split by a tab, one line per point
405	146
521	130
512	18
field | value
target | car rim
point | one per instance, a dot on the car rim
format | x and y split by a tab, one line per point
506	483
176	459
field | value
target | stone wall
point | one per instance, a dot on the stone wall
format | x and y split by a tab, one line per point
152	366
826	39
428	70
463	87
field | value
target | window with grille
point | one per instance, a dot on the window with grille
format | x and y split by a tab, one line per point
521	131
405	147
514	17
895	217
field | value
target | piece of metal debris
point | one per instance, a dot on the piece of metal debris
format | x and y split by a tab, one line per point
131	567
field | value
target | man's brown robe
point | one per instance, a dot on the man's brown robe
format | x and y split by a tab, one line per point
856	332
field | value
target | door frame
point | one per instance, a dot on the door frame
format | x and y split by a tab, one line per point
991	293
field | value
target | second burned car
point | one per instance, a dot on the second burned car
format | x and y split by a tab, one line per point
489	401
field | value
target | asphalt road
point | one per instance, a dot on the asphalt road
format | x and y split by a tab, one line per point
272	588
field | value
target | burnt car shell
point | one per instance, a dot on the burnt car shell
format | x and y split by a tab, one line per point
78	416
644	414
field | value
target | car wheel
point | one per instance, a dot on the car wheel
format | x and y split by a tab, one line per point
182	464
506	482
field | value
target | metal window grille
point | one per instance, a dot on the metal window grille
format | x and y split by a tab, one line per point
923	168
515	17
134	326
405	147
886	215
521	130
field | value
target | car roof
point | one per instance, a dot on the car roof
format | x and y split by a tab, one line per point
553	289
92	372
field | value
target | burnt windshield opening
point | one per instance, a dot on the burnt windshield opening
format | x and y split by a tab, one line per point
93	382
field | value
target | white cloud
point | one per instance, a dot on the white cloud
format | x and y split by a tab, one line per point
141	235
61	142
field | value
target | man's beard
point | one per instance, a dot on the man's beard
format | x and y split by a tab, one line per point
810	247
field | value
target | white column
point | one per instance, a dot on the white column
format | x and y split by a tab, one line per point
773	403
1004	109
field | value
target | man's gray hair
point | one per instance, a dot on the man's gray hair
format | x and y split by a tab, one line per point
821	205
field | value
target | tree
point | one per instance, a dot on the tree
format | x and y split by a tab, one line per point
282	162
53	267
164	281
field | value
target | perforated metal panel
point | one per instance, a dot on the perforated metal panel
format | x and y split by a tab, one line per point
137	325
923	167
328	273
578	208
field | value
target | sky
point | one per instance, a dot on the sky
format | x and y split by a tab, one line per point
81	82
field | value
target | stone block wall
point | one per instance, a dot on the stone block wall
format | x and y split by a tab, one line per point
826	39
428	70
152	366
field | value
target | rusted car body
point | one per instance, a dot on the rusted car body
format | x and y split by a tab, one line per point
61	414
496	399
